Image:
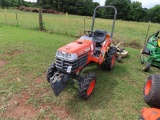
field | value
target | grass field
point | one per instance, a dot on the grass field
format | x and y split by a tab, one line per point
129	32
25	56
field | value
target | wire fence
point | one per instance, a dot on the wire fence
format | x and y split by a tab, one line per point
125	31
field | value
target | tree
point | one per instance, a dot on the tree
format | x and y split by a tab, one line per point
154	14
4	3
123	8
137	13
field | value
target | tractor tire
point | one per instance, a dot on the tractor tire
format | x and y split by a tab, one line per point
141	118
151	90
50	71
110	58
145	50
147	66
87	86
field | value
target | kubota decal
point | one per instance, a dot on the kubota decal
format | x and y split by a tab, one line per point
87	49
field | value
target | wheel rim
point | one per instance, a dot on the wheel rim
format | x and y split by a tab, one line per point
113	59
148	87
91	87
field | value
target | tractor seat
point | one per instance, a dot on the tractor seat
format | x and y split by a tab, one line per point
99	36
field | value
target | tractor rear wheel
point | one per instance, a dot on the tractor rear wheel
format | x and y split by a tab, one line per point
110	57
151	90
87	86
50	71
147	66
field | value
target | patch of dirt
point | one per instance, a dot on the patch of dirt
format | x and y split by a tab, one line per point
61	112
38	88
17	108
133	44
3	62
40	80
14	52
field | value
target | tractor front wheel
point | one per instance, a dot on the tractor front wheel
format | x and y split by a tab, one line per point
151	90
50	71
110	57
147	66
87	86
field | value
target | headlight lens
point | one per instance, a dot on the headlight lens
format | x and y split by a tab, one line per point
63	54
58	53
69	55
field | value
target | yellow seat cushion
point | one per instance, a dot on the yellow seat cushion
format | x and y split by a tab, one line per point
158	42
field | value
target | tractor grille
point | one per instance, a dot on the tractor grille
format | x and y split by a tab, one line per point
62	64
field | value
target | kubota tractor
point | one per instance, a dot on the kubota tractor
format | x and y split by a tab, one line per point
94	46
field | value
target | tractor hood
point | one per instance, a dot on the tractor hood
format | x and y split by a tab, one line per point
78	47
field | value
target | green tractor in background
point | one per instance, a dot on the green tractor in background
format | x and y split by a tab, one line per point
150	53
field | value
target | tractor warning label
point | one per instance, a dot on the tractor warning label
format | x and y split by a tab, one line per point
69	69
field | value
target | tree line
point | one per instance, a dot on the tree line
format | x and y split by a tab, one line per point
127	9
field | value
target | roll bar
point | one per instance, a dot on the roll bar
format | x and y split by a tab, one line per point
94	15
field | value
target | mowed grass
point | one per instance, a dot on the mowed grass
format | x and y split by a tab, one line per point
26	55
128	32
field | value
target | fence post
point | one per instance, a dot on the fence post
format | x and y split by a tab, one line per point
66	21
40	19
16	18
5	15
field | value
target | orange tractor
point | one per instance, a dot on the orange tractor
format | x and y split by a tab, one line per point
94	46
151	94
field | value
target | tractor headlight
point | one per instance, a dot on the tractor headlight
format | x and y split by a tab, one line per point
58	53
68	55
63	54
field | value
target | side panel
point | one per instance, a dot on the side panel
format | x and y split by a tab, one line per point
103	51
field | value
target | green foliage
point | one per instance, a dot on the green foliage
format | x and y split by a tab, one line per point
123	7
154	14
47	6
137	12
72	10
5	3
11	3
128	10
